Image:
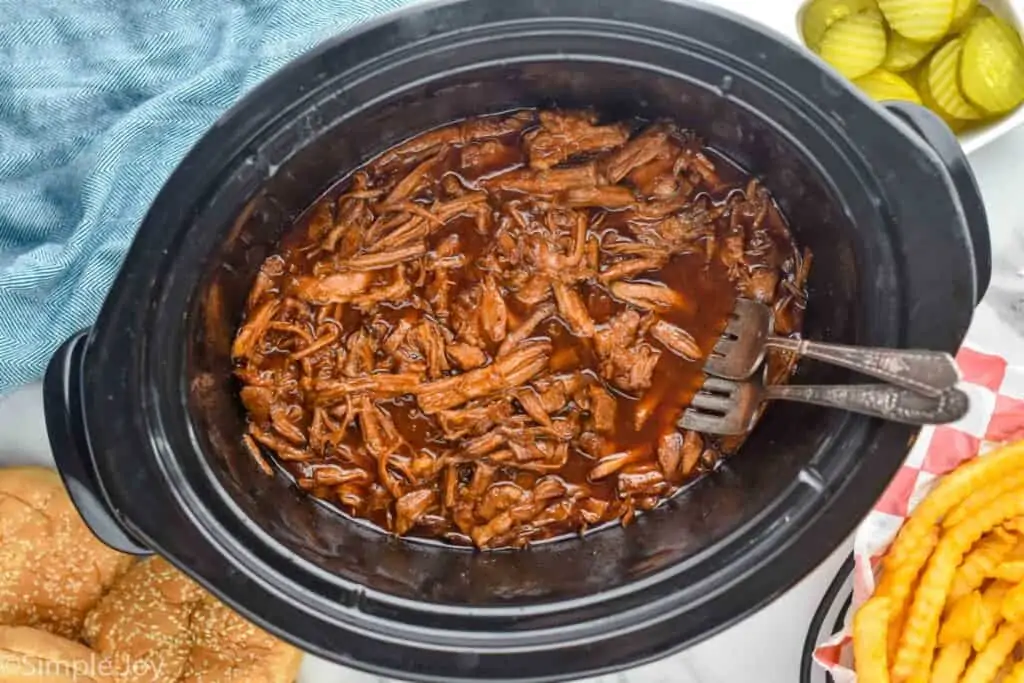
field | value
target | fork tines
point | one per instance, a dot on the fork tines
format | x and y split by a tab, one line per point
721	406
740	347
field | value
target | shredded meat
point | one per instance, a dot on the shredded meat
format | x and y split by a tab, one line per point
677	340
626	360
466	357
488	334
644	148
648	297
563	135
333	289
505	373
549	182
602	407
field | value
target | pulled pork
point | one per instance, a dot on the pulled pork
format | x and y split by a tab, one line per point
488	335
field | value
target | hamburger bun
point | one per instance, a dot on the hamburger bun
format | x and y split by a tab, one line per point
30	655
52	569
157	615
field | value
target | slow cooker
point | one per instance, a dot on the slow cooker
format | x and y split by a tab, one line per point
145	422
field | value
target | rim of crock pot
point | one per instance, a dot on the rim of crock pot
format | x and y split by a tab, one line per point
756	522
748	605
191	501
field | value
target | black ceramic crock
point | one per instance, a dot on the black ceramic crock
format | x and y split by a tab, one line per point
145	422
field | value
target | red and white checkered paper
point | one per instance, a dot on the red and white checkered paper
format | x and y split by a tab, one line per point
992	364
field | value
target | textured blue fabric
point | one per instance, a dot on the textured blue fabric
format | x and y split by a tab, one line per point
99	100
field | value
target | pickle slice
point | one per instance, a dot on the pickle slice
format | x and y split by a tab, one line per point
963	11
992	65
882	85
955	124
921	20
980	12
855	44
904	53
821	14
941	77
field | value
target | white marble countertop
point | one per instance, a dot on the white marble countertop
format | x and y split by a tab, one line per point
765	647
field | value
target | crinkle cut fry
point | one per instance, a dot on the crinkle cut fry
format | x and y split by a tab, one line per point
1009	570
991	600
981	561
961	619
923	672
951	662
979	499
987	663
923	618
907	554
898	581
1013	604
869	641
1016	674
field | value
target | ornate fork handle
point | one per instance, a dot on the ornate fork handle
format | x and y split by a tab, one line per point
927	372
879	400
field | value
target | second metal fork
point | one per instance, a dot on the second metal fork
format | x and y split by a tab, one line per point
747	335
726	407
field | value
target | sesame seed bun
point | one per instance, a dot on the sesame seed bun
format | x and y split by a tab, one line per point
30	655
156	614
52	569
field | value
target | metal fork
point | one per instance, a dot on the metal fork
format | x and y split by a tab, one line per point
747	335
727	407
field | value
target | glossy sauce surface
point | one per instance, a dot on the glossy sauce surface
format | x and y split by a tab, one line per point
488	333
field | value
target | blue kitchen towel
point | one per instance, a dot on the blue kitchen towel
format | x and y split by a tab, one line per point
99	100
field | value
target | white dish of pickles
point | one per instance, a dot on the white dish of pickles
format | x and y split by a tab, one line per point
963	59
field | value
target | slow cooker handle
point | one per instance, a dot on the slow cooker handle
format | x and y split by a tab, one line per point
934	131
65	427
